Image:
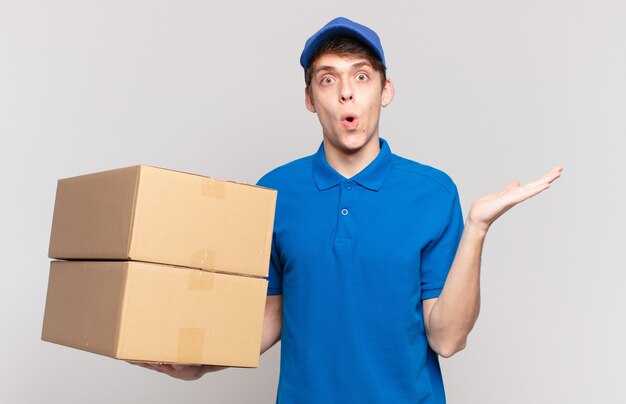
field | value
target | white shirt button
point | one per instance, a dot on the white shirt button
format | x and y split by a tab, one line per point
344	212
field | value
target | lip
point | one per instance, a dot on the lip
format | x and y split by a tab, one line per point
349	121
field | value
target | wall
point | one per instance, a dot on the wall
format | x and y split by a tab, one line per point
487	91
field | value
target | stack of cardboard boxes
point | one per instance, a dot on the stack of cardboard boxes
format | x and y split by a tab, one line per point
161	266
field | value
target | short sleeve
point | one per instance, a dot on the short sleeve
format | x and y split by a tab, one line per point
275	277
438	255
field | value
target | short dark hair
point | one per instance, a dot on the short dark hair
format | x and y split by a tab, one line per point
344	46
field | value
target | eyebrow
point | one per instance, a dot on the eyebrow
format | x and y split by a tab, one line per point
361	64
356	65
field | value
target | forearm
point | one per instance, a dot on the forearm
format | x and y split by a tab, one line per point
272	322
456	310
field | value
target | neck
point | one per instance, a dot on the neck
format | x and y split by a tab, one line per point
350	163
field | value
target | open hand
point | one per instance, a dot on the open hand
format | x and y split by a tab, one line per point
184	372
486	209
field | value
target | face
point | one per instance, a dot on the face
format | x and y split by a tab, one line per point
346	94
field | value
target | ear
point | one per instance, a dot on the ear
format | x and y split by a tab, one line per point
388	93
308	100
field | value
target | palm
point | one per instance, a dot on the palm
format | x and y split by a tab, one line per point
486	209
184	372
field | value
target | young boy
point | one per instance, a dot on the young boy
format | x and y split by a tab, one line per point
373	272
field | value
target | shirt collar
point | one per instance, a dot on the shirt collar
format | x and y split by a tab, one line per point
371	177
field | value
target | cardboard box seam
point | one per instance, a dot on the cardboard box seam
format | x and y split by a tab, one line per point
120	315
167	265
204	176
132	215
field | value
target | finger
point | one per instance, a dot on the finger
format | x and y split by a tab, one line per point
152	366
548	178
164	368
511	186
553	174
558	168
522	194
181	367
137	363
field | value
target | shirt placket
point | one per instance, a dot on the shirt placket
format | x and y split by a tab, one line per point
345	212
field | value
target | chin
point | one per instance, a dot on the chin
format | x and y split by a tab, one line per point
350	143
356	142
348	147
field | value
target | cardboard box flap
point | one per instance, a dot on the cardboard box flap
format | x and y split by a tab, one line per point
83	307
93	215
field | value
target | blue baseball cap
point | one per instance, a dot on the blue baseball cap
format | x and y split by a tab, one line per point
341	27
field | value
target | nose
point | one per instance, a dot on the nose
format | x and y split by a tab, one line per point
346	93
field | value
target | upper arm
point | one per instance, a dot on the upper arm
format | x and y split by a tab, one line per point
438	255
427	307
272	322
274	306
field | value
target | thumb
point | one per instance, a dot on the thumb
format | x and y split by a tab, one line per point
511	186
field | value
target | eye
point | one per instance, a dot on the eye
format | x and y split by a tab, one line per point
361	77
327	80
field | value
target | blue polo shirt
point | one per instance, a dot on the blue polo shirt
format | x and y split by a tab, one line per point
353	259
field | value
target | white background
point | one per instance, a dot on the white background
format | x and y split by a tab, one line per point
488	91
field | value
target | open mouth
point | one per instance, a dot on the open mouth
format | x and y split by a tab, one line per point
349	121
348	118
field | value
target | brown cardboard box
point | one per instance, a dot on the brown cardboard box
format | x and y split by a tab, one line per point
152	312
151	214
